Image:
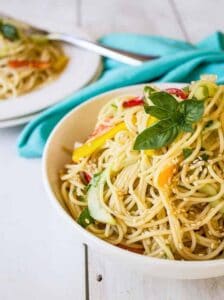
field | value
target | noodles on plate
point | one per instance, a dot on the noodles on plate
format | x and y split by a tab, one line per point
26	61
150	178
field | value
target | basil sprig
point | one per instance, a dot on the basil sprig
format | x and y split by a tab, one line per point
9	31
174	117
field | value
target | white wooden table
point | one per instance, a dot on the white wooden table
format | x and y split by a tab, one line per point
40	256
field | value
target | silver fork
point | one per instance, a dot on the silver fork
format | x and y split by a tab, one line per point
116	54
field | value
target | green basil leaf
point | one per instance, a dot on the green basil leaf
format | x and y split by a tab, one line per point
175	117
157	112
10	32
187	152
192	110
148	90
187	127
164	101
159	135
84	218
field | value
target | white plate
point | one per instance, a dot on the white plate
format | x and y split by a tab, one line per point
17	121
82	67
12	122
76	127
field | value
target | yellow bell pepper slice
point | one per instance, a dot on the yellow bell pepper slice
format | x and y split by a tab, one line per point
150	122
89	147
150	152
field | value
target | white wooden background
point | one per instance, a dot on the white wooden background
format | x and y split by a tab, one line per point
40	257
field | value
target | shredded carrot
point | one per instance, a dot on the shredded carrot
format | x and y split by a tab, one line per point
102	128
36	64
99	130
166	175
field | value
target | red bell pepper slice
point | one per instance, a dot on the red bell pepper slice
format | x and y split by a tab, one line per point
87	177
178	92
133	102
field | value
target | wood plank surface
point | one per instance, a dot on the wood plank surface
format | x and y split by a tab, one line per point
55	15
118	283
40	256
201	17
149	17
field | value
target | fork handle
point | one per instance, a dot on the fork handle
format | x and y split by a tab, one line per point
118	55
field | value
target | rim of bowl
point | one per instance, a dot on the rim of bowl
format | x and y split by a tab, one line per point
106	246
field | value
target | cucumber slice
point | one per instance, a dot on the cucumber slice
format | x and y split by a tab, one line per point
205	89
208	189
211	86
201	93
216	202
211	191
96	209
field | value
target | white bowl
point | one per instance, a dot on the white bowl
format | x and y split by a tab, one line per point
76	126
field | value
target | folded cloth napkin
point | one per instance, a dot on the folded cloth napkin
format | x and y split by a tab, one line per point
179	62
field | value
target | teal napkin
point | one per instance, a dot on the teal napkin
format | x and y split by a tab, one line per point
179	62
